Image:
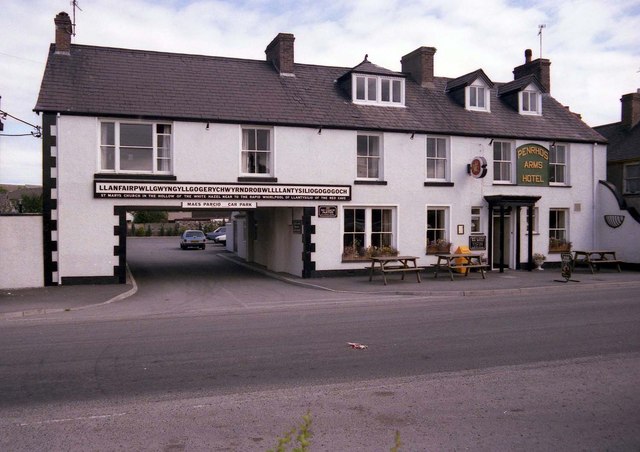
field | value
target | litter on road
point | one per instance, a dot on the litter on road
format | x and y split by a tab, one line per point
356	345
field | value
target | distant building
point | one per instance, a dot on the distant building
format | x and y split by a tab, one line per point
623	151
11	196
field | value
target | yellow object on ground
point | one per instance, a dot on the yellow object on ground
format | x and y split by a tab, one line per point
462	260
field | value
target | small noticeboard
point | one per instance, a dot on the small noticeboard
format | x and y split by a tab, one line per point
327	211
297	226
477	242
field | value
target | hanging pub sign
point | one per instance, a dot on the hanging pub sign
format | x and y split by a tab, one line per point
533	165
478	167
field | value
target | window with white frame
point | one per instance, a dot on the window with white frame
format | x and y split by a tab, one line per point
477	96
378	90
558	164
256	154
502	161
437	158
559	230
476	220
437	230
366	227
530	102
631	174
369	157
135	147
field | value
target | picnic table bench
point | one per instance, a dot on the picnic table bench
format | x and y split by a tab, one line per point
464	261
394	264
594	258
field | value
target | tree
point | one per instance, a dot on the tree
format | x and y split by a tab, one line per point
150	216
31	203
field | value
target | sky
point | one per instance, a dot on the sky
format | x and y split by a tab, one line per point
593	45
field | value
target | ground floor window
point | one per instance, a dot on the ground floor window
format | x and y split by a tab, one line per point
437	231
476	220
559	230
367	230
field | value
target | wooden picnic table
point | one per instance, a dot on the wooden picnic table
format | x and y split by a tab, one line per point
465	261
394	264
594	258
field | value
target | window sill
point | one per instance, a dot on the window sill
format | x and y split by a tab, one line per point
257	179
131	176
438	184
369	182
504	183
352	260
551	184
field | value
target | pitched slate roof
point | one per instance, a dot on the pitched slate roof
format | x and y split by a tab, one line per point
624	143
367	67
520	84
468	79
102	81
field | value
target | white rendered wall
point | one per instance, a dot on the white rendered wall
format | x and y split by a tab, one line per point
624	240
21	259
302	156
85	224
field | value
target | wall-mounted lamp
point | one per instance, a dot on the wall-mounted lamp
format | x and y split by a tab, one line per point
320	130
553	145
413	134
207	127
491	142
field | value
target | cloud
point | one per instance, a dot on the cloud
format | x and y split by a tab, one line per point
592	44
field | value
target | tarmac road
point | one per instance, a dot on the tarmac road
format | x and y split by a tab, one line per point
225	368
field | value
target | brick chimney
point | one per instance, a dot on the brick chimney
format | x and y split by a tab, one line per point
63	33
419	65
540	68
280	53
630	109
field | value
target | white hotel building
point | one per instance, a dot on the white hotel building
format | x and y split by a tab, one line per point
319	163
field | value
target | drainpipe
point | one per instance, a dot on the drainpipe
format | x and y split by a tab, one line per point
594	187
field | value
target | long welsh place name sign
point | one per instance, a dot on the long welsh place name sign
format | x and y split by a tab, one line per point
173	190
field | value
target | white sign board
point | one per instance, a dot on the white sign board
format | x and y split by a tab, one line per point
219	205
229	191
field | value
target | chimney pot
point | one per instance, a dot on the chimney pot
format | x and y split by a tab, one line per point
527	56
419	65
63	33
280	53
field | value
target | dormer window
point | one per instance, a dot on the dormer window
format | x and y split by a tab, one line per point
477	96
523	95
378	90
530	102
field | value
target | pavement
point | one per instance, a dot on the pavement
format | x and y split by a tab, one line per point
16	303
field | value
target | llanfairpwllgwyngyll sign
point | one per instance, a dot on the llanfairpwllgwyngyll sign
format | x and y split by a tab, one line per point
533	165
192	190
